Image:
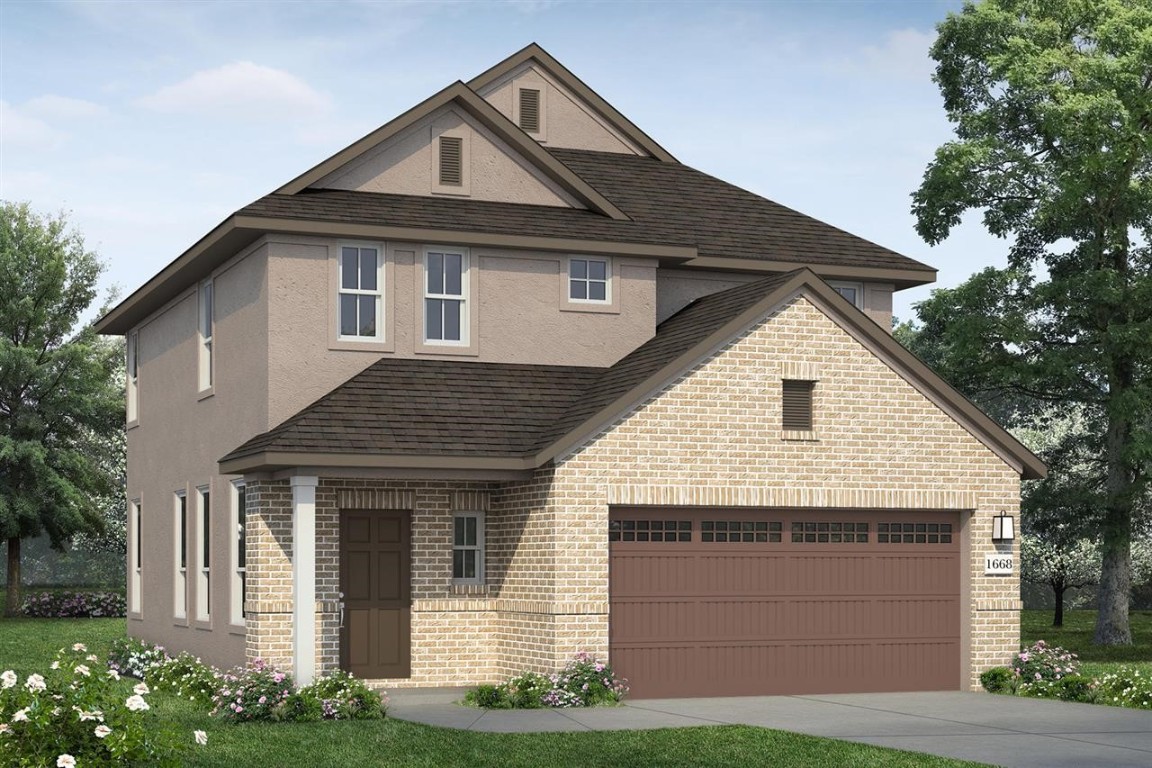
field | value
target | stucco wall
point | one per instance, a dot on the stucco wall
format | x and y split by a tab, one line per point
518	316
567	121
180	435
405	164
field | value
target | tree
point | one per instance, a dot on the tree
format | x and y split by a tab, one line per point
1051	104
1063	566
58	396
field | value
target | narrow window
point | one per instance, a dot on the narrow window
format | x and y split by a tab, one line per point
588	280
180	557
445	316
133	373
361	297
206	324
853	292
203	584
468	548
135	520
239	520
797	405
451	161
530	109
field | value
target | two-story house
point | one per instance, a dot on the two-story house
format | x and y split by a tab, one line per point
504	380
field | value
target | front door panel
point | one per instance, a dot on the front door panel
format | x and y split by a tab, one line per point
375	577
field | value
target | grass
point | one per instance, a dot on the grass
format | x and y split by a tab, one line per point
26	645
1076	636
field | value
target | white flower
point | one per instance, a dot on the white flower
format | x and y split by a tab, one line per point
113	674
91	657
83	670
79	647
93	715
201	737
5	728
35	683
141	688
21	716
54	665
102	731
8	679
136	703
65	761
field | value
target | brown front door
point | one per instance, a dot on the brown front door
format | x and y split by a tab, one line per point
375	577
718	602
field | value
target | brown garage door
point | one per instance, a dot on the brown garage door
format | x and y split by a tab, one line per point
732	603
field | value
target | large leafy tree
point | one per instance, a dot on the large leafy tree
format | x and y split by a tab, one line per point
59	397
1051	103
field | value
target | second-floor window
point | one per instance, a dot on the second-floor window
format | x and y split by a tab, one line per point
135	519
205	329
133	363
361	297
588	280
854	292
445	297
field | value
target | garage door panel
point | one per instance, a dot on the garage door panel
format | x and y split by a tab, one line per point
792	615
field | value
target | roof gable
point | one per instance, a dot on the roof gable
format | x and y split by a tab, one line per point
532	57
466	103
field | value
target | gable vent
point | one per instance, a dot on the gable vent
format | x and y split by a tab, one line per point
451	160
530	110
797	405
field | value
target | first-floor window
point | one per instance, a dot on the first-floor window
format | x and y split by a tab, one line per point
180	541
468	548
239	557
137	545
203	583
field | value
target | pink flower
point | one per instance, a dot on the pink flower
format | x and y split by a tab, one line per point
263	699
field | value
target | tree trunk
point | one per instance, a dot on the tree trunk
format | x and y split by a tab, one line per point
15	598
1058	617
1116	545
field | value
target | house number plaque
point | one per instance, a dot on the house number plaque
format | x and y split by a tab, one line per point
998	565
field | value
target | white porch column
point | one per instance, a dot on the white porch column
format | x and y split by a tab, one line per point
304	577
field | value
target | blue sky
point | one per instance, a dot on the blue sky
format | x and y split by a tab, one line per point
150	122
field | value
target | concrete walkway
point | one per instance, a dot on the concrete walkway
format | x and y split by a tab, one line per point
999	730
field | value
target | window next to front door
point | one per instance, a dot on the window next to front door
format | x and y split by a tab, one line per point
468	548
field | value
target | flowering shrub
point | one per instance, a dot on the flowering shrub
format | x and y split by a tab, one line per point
75	605
343	697
130	656
584	682
251	693
1126	687
186	676
1044	662
80	714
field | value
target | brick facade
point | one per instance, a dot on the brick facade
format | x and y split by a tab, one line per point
713	438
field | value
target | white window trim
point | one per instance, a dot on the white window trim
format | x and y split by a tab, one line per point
464	298
132	368
206	332
137	549
607	300
180	546
237	574
203	566
858	287
378	293
480	547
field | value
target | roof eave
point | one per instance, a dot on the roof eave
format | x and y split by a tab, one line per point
270	461
900	277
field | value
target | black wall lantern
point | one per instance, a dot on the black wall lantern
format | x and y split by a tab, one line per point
1003	527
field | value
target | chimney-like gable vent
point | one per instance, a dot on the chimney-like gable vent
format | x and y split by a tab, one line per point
530	110
797	405
451	160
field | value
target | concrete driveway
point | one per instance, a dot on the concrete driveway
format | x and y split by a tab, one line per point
1000	730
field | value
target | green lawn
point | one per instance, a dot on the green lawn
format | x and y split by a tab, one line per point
27	645
1076	636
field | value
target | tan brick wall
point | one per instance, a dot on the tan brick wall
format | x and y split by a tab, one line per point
711	438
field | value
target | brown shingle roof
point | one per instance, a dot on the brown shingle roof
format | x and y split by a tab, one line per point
461	408
668	204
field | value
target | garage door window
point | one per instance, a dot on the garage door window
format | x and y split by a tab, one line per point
650	530
829	533
914	533
736	531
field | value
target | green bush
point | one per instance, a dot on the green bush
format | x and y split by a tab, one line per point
130	656
1043	662
1076	688
487	697
301	707
341	696
80	713
998	680
186	676
1126	687
584	682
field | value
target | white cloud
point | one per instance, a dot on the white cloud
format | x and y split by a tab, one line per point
904	54
244	89
51	107
20	129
